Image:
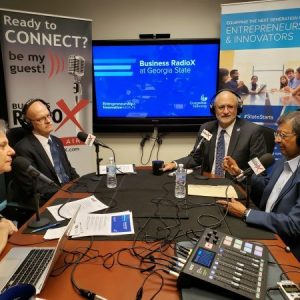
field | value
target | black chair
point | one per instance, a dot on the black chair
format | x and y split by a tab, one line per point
269	138
16	211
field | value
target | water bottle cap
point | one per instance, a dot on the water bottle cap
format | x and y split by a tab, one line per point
180	165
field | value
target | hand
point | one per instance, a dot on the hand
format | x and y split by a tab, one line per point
8	226
169	166
235	207
230	166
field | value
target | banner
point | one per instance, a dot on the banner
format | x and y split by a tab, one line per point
49	57
261	40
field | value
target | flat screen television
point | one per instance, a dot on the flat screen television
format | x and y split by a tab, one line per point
142	84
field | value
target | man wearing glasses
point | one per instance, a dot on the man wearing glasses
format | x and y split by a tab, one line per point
277	195
228	135
45	152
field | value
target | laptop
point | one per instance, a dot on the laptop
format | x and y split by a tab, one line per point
26	258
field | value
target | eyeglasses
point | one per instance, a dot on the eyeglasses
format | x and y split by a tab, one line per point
222	107
43	119
282	135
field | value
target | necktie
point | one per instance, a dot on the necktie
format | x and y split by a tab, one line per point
220	153
58	166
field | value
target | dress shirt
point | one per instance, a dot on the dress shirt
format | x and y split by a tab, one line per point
289	168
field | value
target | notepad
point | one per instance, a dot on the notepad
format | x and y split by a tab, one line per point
217	191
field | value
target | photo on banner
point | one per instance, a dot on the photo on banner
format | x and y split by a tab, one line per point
49	57
261	40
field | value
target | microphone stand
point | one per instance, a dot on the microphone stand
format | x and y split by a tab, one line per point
98	161
38	222
201	154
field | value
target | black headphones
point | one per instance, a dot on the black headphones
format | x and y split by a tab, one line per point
238	97
298	141
25	123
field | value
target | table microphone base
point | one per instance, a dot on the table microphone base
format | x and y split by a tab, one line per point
96	177
36	224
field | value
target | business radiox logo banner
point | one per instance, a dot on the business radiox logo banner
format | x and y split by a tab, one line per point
49	57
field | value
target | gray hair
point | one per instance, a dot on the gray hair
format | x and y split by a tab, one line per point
293	117
3	126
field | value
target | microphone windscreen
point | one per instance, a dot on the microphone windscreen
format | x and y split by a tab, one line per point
267	159
82	136
21	163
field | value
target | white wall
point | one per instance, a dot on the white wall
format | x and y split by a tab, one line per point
126	19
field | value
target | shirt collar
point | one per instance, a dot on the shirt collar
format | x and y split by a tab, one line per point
293	163
43	140
227	129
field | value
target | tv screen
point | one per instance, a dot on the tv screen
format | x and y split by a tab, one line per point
143	84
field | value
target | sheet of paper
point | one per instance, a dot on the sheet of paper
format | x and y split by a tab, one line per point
103	224
218	191
120	169
54	233
88	205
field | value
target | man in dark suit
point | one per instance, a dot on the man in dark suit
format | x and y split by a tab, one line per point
38	146
235	84
243	140
276	195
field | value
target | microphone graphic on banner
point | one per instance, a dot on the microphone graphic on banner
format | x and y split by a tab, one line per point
76	67
257	166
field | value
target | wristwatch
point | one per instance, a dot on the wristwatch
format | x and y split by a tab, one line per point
245	214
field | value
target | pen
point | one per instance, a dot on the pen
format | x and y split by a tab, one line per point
45	227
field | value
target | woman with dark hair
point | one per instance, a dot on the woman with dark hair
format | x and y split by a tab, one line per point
283	81
223	78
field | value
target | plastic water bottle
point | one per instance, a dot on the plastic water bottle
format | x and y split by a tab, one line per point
111	174
180	190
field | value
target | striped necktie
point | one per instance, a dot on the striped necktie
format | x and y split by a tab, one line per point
58	166
220	153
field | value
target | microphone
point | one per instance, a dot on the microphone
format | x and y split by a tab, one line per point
23	164
265	161
206	136
76	65
90	139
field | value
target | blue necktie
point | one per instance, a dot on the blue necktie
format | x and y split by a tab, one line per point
58	166
220	153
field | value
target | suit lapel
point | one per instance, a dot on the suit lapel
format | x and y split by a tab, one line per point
288	186
234	137
212	146
275	175
41	152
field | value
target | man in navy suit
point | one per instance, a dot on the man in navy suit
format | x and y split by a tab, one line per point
277	195
243	140
36	147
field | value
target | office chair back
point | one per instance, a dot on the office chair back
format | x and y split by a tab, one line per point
14	210
269	138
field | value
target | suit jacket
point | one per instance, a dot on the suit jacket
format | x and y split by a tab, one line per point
246	142
22	184
284	218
